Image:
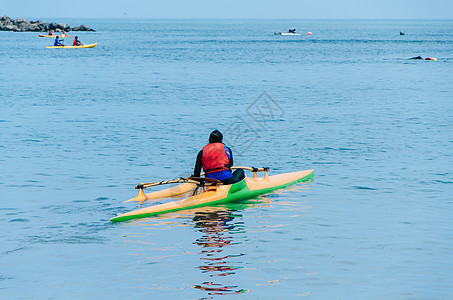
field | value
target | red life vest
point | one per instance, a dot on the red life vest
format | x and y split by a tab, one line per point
214	158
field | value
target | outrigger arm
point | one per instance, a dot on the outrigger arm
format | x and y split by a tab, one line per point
187	184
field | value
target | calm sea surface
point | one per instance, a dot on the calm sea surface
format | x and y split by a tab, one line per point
79	128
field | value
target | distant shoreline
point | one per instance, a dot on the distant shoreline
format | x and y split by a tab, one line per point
22	25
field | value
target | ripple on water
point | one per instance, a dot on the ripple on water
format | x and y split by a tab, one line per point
20	220
364	188
2	278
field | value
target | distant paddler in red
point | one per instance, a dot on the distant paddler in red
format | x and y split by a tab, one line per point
76	42
50	32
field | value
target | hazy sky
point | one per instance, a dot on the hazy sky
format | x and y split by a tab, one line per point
301	9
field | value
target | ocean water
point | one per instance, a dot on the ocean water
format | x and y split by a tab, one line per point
79	128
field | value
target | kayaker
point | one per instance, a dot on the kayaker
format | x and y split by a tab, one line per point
292	30
217	160
57	41
50	32
76	42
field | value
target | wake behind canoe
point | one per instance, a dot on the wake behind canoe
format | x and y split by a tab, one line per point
245	189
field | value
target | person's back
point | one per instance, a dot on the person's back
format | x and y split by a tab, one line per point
57	41
217	160
76	42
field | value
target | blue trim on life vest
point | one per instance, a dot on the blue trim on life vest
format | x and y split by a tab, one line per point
222	175
227	152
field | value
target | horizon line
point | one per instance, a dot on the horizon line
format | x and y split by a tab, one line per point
232	18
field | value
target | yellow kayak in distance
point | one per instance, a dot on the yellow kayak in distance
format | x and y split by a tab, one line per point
54	36
73	47
247	188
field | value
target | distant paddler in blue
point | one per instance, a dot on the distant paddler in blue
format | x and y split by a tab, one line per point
57	41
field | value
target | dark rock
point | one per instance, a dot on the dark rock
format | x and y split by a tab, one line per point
33	27
21	26
64	26
8	24
11	28
7	27
82	28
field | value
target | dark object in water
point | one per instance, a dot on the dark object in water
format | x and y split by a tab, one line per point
402	33
417	57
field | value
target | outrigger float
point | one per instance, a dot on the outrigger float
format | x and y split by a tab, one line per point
206	191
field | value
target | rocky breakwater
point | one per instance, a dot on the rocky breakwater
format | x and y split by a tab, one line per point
8	24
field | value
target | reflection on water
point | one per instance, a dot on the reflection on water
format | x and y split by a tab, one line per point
221	235
218	229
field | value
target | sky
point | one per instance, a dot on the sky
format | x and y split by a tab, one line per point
253	9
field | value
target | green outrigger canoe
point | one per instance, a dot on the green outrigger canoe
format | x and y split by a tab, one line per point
212	193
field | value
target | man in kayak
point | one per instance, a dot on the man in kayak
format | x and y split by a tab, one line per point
292	30
57	41
217	160
76	42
